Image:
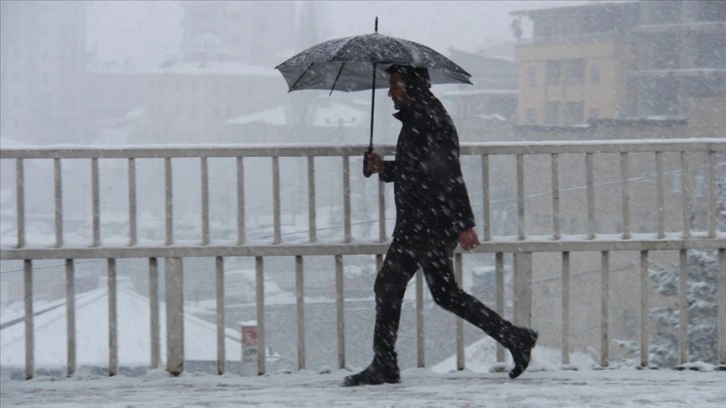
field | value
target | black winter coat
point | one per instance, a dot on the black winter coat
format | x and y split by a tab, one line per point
432	203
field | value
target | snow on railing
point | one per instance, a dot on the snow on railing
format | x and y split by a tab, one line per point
542	188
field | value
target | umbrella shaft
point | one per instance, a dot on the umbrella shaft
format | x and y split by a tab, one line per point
373	105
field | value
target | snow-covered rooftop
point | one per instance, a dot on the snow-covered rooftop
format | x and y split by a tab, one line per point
215	68
333	114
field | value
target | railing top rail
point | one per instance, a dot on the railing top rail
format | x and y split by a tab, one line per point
505	244
523	147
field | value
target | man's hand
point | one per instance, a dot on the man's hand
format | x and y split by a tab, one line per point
468	239
374	163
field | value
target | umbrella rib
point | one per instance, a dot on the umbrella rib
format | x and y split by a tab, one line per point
340	71
292	88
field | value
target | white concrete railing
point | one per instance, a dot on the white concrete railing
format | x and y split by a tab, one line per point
496	183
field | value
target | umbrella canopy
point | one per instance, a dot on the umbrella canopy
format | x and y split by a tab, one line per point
358	63
347	64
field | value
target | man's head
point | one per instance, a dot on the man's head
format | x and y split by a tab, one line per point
406	84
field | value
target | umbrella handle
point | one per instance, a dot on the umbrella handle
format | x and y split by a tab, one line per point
366	173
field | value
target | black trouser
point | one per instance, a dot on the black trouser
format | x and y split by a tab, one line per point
400	265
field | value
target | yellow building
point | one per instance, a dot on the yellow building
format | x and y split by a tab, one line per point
621	60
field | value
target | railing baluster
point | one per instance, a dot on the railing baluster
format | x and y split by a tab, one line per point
20	198
604	309
240	202
683	306
722	308
205	200
555	196
420	339
70	317
221	352
520	197
565	340
154	312
312	215
300	307
95	202
644	312
590	196
58	182
712	194
460	358
499	271
340	310
381	211
29	326
112	319
276	199
686	194
174	285
660	194
346	199
625	192
169	208
522	288
486	198
260	291
133	228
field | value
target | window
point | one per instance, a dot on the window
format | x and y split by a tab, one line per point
178	85
531	116
575	71
595	75
553	72
532	76
573	113
552	114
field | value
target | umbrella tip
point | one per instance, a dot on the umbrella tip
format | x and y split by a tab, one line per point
376	24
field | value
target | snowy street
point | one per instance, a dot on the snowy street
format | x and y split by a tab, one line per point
419	388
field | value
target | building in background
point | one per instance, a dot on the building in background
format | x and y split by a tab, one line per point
620	61
42	66
485	111
189	100
239	24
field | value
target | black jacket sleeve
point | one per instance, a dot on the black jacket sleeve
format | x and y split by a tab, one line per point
389	171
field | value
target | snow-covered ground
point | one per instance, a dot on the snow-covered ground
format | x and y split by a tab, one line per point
419	388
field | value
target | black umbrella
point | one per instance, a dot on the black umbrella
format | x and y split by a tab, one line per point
359	63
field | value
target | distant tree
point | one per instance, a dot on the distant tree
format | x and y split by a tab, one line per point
702	272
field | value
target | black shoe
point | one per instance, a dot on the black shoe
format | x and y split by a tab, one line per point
521	350
373	375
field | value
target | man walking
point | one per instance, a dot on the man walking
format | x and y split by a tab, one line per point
433	214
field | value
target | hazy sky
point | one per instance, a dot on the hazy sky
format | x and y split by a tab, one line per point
145	31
